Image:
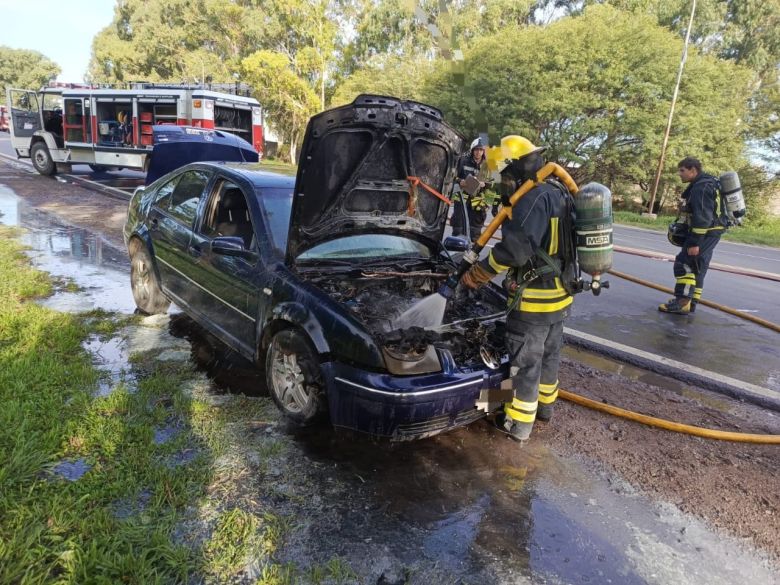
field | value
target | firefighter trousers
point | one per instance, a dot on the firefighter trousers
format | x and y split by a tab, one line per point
535	356
689	271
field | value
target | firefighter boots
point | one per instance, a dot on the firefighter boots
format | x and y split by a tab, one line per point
678	306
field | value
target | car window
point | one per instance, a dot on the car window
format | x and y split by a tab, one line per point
366	246
163	197
228	214
186	194
277	205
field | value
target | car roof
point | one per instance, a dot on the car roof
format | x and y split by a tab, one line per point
263	174
258	174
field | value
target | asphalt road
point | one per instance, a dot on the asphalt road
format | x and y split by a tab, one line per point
627	313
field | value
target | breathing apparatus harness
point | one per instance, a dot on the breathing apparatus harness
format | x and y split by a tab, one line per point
471	256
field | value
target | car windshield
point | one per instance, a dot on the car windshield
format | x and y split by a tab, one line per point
367	246
277	205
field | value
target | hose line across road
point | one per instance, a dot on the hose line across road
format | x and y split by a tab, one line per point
669	425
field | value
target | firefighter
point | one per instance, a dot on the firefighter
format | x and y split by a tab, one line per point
532	252
469	164
706	218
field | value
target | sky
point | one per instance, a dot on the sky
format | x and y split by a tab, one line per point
60	29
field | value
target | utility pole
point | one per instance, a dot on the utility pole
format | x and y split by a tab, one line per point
671	111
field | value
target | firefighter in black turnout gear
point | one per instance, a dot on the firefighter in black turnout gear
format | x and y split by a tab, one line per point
537	251
470	165
704	213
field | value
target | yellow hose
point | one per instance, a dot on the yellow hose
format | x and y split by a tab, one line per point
757	320
669	425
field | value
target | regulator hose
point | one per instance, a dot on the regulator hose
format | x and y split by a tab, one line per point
757	320
669	425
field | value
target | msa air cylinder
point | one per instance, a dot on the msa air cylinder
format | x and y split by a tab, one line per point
731	190
593	224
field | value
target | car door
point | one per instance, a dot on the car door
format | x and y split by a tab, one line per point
229	281
25	118
171	221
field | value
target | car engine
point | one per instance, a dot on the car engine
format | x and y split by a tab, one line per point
472	329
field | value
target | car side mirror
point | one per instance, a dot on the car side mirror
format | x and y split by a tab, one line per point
455	244
231	246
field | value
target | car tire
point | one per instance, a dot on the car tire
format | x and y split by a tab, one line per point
41	159
294	379
147	293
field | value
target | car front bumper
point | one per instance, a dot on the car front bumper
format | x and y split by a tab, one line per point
407	407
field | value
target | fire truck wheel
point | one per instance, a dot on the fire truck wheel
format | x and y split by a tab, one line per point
41	159
147	293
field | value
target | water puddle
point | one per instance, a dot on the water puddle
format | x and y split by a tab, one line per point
127	507
99	270
110	356
476	506
641	375
71	470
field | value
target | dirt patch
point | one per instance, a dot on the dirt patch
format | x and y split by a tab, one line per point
731	485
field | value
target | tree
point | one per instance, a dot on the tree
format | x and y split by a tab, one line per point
25	69
287	99
397	76
595	89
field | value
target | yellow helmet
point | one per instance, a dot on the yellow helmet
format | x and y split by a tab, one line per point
512	147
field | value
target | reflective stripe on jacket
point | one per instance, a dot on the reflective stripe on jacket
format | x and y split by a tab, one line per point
535	224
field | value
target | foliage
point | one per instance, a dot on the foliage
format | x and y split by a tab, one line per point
396	76
600	99
25	69
287	99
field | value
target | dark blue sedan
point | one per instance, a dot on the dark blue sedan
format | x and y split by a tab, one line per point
307	275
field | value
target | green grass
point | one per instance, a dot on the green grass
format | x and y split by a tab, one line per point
58	531
762	232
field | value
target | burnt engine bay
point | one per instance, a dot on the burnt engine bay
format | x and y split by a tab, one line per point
472	329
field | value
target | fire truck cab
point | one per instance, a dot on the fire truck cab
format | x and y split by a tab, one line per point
113	128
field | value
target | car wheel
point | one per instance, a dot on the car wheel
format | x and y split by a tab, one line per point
294	379
41	159
147	293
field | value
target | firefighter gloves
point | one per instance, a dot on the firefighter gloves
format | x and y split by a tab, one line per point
476	277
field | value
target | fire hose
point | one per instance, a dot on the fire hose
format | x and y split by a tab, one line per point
669	425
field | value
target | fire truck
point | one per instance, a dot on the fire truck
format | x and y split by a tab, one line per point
3	119
114	128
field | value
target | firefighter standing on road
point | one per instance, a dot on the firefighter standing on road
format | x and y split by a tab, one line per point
535	252
706	223
469	165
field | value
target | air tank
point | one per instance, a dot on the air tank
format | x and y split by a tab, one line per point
731	191
593	224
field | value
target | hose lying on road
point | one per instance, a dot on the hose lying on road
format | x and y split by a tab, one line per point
758	320
669	425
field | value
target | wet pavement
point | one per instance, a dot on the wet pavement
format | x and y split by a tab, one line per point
466	507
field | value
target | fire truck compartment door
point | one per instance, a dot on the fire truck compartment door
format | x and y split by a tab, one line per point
25	116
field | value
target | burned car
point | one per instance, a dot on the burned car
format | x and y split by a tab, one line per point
307	275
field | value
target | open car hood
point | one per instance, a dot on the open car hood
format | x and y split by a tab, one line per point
354	164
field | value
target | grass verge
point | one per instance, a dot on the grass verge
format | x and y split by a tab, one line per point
90	489
763	232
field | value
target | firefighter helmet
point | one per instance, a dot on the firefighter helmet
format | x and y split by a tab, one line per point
677	233
477	143
513	147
